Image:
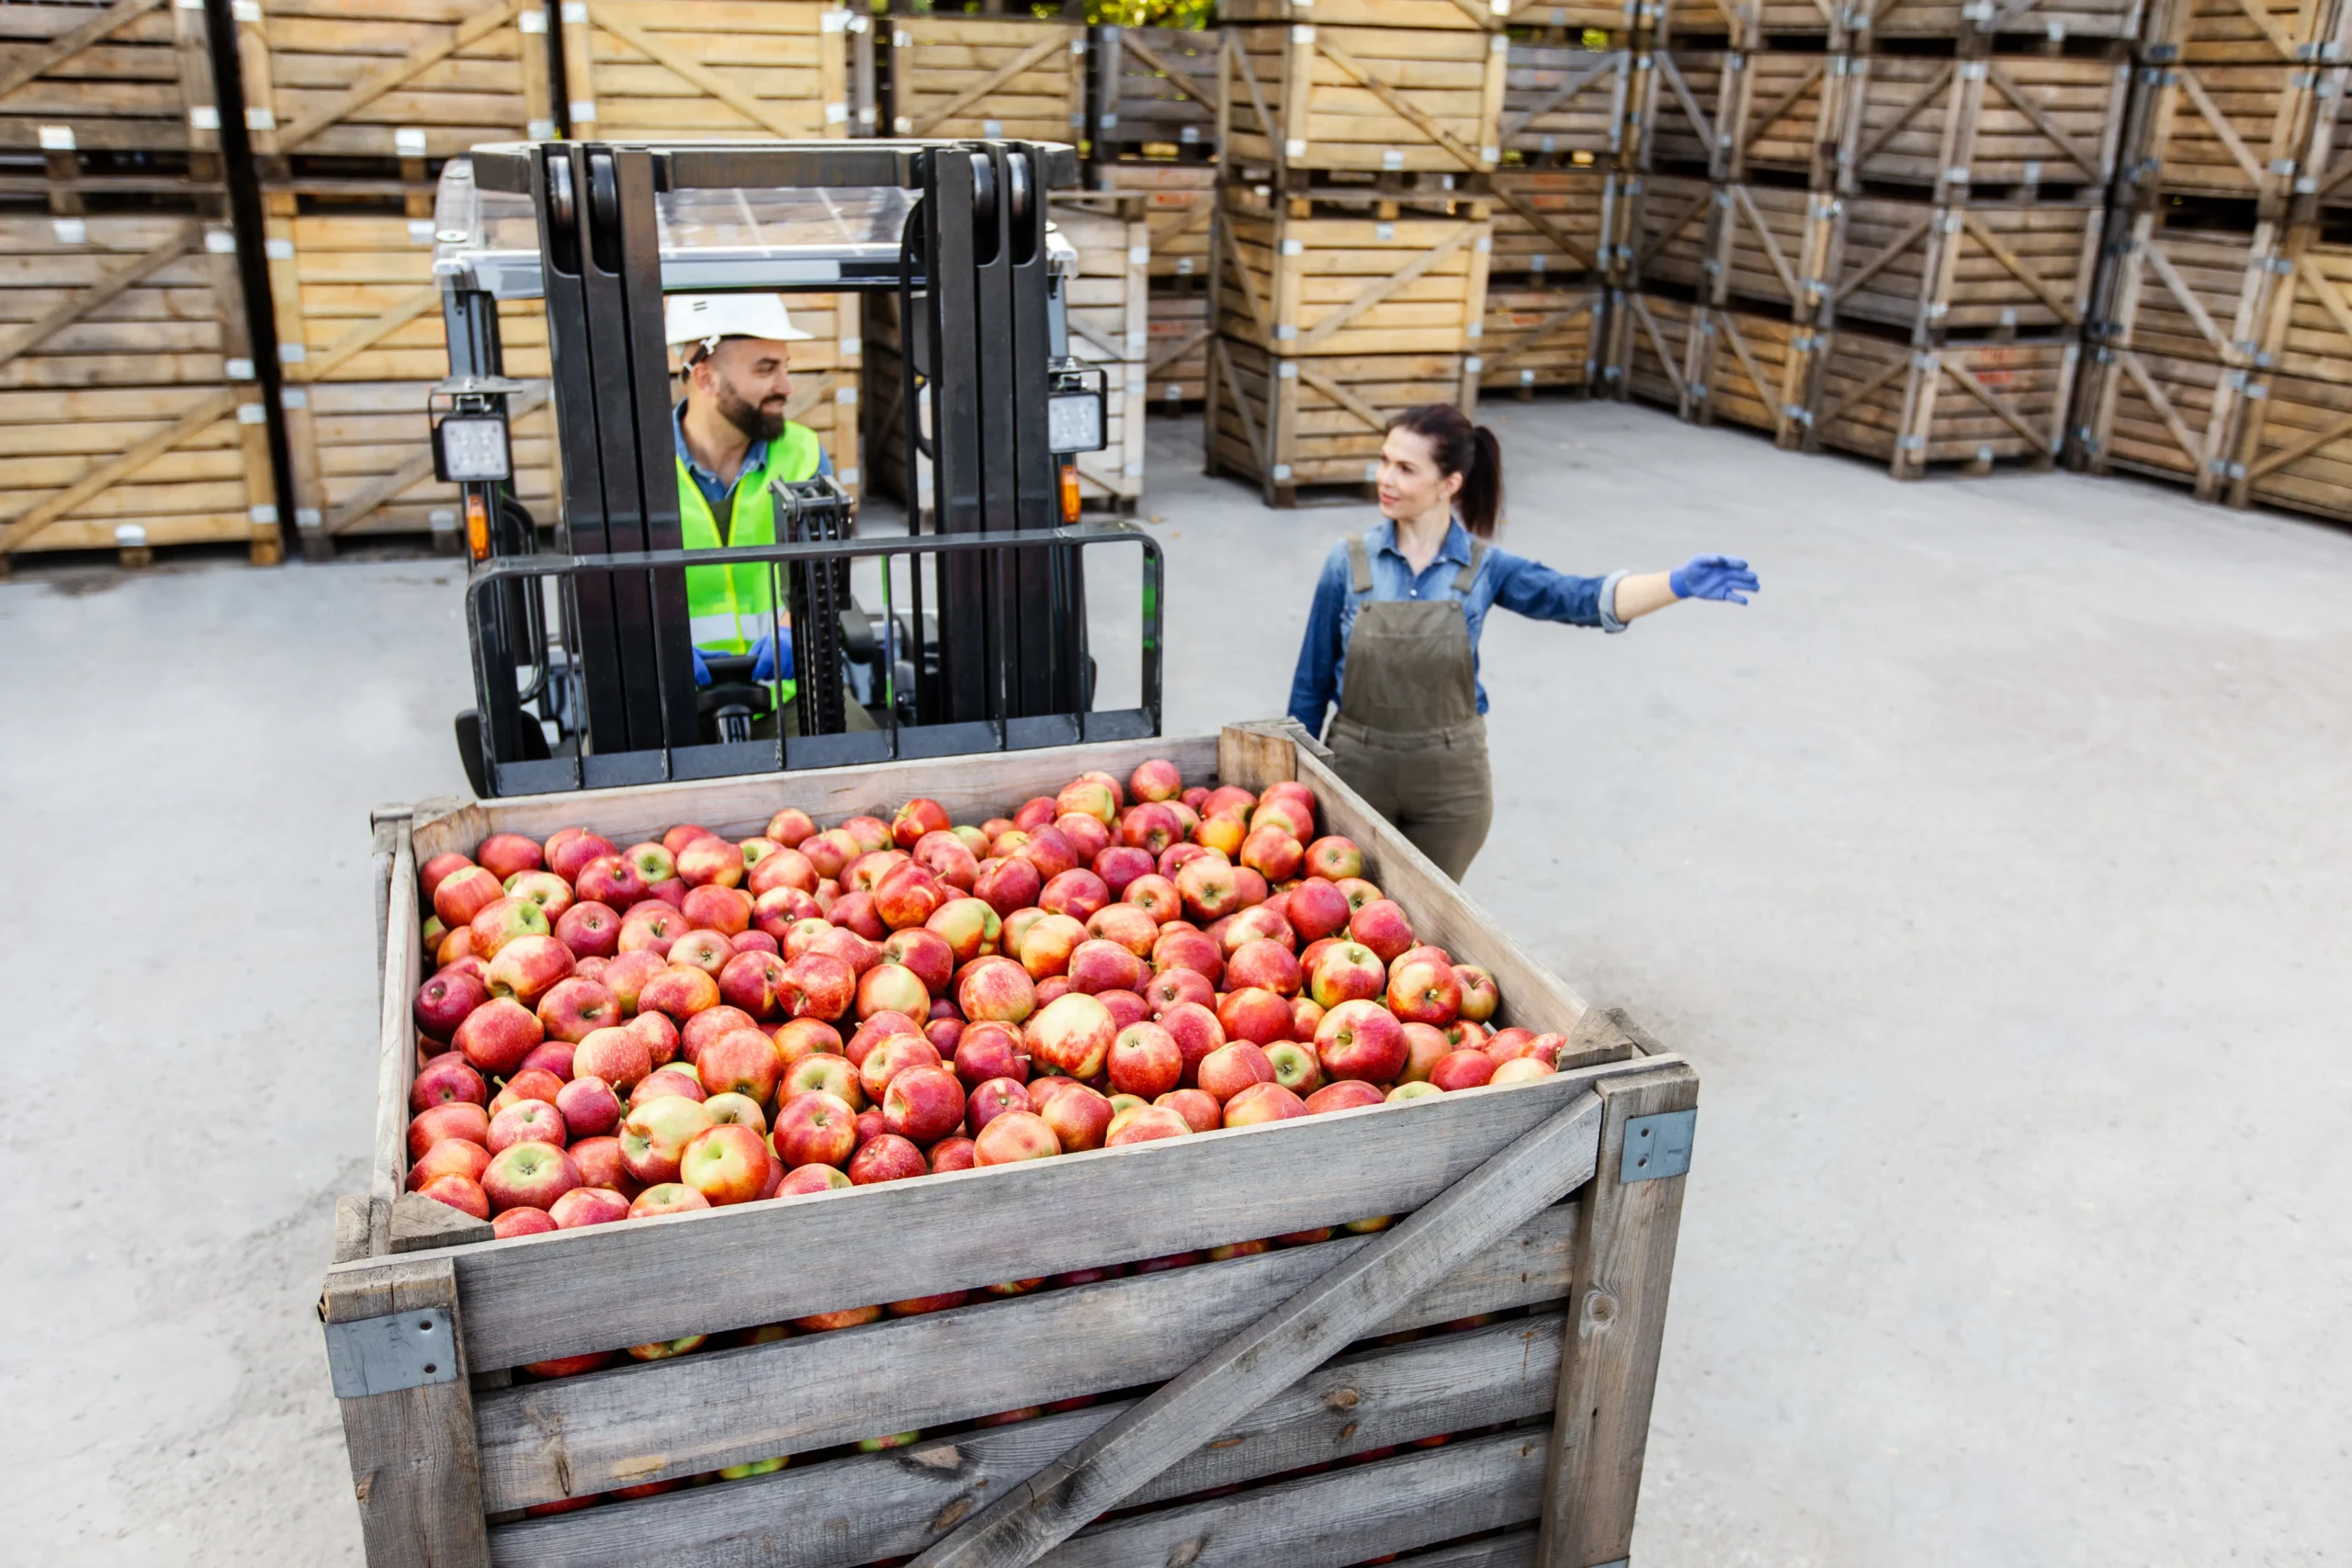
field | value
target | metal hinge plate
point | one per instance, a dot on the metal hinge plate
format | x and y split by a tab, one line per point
384	1355
1658	1147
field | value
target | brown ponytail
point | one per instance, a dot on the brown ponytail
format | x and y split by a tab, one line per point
1470	450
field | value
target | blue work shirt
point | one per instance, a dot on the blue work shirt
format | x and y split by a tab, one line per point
714	489
1525	587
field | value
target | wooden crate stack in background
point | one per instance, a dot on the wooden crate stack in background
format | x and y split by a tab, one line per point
1108	307
1878	231
1152	131
130	417
1359	140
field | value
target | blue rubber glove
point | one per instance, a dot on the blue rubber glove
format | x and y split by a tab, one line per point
702	670
763	660
1712	577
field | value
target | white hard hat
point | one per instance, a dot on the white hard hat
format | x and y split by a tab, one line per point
706	318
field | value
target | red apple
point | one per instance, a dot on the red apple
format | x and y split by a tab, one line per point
815	1128
811	1179
833	1075
875	1030
1207	887
890	1058
1151	828
993	1099
655	1133
1199	1108
1425	1046
968	925
726	1162
790	826
1155	896
1173	988
1145	1060
600	1164
589	1106
1047	944
908	894
1296	1067
730	1106
521	1222
1121	866
1126	1007
1228	1070
892	988
710	951
1344	1095
438	870
527	967
1383	927
590	929
1272	852
677	1078
1347	972
923	1104
1072	1034
1254	1013
742	1062
1008	884
1095	964
570	850
1196	1032
1264	963
950	858
887	1159
678	992
1079	1118
668	1198
1014	1136
953	1154
1262	922
617	1056
584	1206
1126	924
818	985
925	953
710	862
1077	894
1462	1069
1262	1102
443	1002
1155	780
996	990
459	1192
502	920
1087	837
1149	1125
987	1050
465	893
1317	909
1522	1070
1422	990
1479	995
527	1122
1305	1017
1361	1040
450	1156
444	1079
530	1175
784	868
574	1009
497	1035
611	880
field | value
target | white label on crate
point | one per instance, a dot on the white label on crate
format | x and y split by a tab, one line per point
257	119
832	21
1491	154
450	236
420	231
1475	329
252	413
1110	120
1282	471
856	23
71	230
1078	44
1536	262
1184	267
293	398
1972	71
847	476
845	395
1472	364
866	114
1138	255
278	250
1546	144
1499	7
575	13
408	141
190	5
308	517
1134	343
532	21
991	127
1284	333
1287	370
1483	243
851	347
1294	247
242	370
1132	470
1498	44
442	520
2034	170
131	535
1303	33
540	130
2010	318
1295	147
903	126
1189	135
265	514
292	353
1077	119
219	241
1527	377
57	139
1383	231
583	111
1175	392
204	117
1559	17
1372	473
836	114
1391	158
901	39
1302	5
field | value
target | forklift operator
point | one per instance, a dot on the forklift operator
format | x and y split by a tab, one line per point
732	439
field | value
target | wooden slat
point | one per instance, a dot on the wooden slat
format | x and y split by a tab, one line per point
365	91
412	1451
1625	1264
112	285
396	1039
68	44
866	1508
542	1442
1382	289
571	1293
1536	1170
1975	388
1036	54
200	418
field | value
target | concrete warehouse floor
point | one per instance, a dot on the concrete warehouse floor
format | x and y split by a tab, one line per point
1993	866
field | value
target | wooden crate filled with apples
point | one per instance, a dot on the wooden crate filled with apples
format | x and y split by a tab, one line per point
785	1170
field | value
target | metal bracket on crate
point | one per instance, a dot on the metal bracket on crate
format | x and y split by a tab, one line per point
1658	1147
385	1355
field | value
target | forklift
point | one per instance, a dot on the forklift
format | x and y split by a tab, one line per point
583	664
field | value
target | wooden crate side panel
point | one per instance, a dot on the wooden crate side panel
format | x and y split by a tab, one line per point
406	78
135	466
2033	379
1684	100
2300	451
1539	336
118	78
977	76
1862	394
1984	266
2317	344
1177	367
698	1413
1767	245
1674	225
1438	15
2228	31
1363	98
1782	112
1753	369
1559	100
1349	286
2050	18
1657	336
869	1507
2161	415
2194	294
709	68
1317	422
1161	89
2010	119
2234	131
1558	222
119	300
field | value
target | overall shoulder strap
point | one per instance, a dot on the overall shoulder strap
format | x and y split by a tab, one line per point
1469	573
1359	565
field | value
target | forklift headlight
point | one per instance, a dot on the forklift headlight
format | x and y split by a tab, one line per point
1074	421
471	450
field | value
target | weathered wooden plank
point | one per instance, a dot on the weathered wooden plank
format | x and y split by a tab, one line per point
1609	1374
970	788
1535	1170
635	1423
396	1041
412	1451
570	1292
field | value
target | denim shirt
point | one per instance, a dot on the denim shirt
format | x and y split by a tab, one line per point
714	489
1525	587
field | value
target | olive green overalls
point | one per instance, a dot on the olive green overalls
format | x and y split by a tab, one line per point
1409	738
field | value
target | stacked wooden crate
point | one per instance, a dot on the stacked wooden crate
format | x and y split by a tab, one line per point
1152	133
1107	305
131	418
955	76
1875	230
1348	280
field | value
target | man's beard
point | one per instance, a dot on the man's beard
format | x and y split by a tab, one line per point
750	418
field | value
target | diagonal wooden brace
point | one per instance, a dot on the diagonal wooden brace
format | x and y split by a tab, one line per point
1538	1170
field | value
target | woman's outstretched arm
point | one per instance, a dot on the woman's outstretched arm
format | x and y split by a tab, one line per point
1727	578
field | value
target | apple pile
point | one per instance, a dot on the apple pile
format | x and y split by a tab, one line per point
614	1032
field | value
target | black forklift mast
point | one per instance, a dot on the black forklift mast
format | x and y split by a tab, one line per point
1009	666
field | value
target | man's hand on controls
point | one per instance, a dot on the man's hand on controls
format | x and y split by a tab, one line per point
1724	578
765	659
702	669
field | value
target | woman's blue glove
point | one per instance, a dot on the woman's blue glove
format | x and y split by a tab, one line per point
765	659
1712	577
702	670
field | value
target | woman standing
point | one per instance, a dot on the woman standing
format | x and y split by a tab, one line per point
1393	636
